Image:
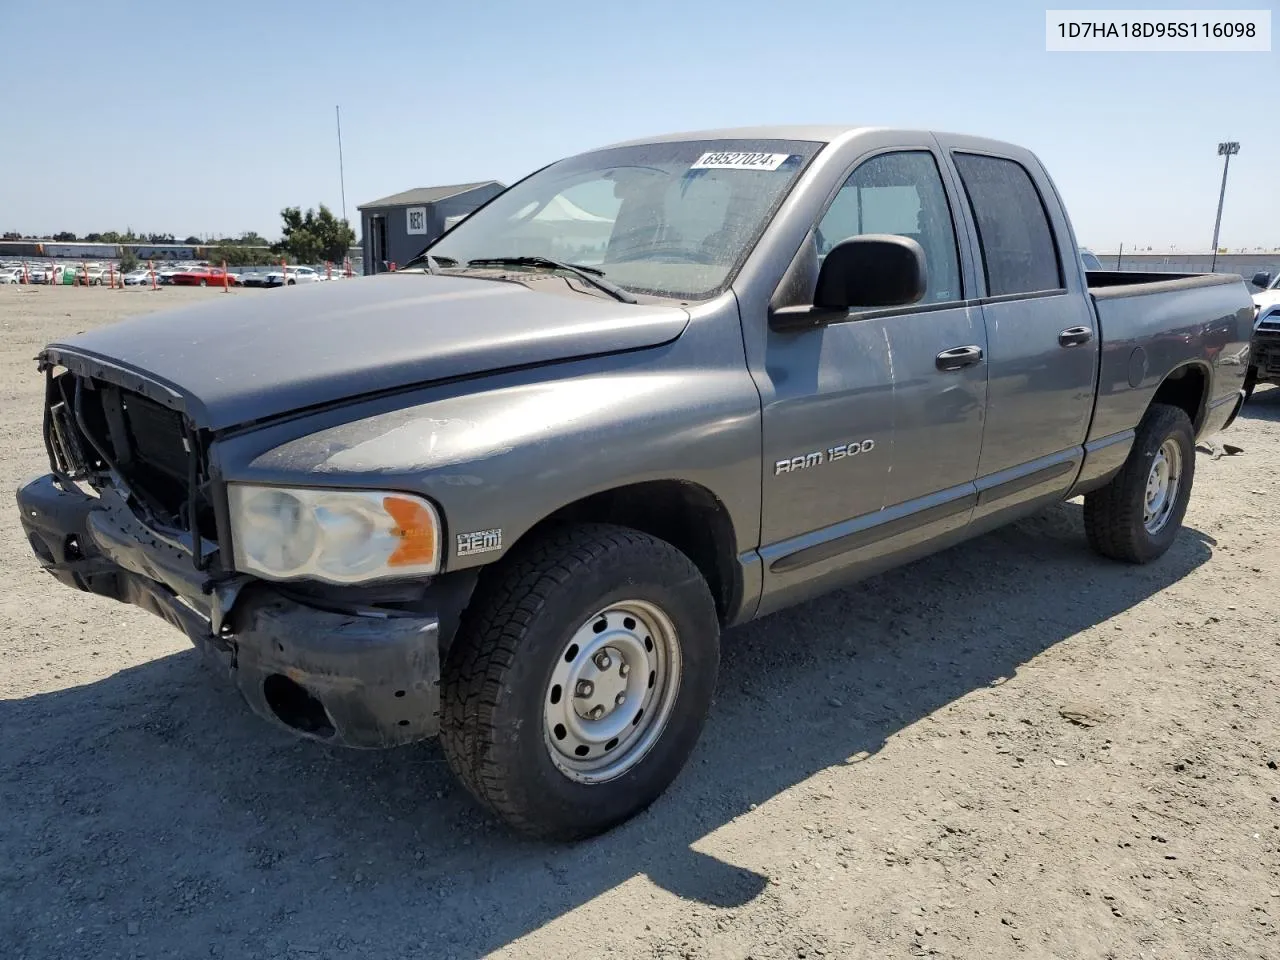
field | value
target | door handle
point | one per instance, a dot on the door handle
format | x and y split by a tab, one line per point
958	357
1074	336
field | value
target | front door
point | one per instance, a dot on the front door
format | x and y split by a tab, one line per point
872	438
1042	364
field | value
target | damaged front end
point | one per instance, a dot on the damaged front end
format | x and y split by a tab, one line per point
133	510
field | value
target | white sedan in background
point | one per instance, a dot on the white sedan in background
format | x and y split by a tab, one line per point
10	275
291	276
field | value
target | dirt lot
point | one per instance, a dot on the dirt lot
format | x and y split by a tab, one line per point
887	772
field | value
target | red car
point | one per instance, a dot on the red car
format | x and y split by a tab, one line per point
203	277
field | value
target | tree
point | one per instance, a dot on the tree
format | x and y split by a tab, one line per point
128	260
241	255
65	237
193	241
93	238
12	235
312	237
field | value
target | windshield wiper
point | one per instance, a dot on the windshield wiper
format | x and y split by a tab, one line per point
587	274
433	262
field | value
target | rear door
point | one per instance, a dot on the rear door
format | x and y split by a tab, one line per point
1041	337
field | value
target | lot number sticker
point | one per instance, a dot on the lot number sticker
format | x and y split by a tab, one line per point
740	161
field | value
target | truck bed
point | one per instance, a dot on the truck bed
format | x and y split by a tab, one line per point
1152	325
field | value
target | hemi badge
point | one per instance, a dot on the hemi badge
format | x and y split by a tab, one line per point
482	541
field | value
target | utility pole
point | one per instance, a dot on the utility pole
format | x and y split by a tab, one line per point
1227	151
342	180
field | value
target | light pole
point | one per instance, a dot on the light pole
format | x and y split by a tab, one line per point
342	178
1226	150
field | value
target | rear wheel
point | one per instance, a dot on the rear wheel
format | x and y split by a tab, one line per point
204	283
580	680
1136	517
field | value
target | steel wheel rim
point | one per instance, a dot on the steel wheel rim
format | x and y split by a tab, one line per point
1162	486
611	691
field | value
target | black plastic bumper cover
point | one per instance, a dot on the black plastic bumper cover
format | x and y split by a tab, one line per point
354	680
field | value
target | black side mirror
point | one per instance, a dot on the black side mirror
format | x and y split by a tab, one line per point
869	272
1261	279
873	270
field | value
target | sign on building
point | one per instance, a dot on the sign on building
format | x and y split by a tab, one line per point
416	220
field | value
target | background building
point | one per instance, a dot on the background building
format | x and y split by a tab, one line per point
396	228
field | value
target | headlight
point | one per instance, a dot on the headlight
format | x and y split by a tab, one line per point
339	536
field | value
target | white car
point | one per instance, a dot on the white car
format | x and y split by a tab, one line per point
1267	300
138	277
10	275
291	276
1264	359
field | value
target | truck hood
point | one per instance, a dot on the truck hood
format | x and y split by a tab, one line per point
1267	298
253	357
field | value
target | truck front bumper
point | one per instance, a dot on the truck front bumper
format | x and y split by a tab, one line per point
355	679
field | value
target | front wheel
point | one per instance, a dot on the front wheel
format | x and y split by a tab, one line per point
1137	516
580	680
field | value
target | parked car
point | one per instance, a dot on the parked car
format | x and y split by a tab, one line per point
167	273
512	501
10	275
137	277
202	277
38	273
1264	357
289	276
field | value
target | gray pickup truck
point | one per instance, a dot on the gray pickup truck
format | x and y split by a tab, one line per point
511	495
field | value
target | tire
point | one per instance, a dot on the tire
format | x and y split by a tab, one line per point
1115	516
204	283
499	683
1250	381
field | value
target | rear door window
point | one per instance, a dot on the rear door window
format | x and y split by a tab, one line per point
1018	250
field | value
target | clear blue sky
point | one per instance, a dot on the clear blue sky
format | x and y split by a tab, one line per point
210	117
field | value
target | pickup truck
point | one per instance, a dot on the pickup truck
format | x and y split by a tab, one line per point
1264	360
511	495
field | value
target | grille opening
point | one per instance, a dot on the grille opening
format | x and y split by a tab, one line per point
147	443
295	707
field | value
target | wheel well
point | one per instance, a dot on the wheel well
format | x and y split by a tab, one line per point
1185	387
685	515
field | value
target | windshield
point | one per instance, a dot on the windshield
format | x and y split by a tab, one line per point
669	219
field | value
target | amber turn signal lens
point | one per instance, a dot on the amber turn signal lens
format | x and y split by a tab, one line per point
415	529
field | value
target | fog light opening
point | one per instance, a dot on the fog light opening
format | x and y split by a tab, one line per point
41	548
295	707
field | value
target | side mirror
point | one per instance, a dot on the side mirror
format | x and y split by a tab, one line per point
872	271
1261	279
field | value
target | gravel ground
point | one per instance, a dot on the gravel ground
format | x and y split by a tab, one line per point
1059	757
